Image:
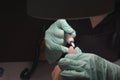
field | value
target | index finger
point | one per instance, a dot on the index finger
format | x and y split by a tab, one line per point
62	23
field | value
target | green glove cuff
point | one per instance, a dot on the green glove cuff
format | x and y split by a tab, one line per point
102	69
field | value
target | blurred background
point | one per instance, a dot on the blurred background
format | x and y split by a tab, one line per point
19	34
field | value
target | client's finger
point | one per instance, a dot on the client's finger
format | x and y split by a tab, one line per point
56	73
71	50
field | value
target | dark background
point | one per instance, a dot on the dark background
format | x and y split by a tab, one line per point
18	32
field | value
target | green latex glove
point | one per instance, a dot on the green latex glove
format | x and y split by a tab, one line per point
86	66
55	39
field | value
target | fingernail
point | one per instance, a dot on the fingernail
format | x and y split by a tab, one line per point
71	50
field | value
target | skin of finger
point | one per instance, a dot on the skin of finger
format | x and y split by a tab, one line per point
71	50
56	73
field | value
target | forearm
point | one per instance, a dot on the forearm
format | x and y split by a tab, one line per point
114	71
107	70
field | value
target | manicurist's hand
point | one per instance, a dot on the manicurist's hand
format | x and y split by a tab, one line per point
54	39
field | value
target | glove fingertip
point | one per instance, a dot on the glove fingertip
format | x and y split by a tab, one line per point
73	34
78	50
64	49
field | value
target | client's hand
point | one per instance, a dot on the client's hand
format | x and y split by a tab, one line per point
56	73
57	70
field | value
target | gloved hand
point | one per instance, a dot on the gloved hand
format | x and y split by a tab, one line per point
86	66
55	39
